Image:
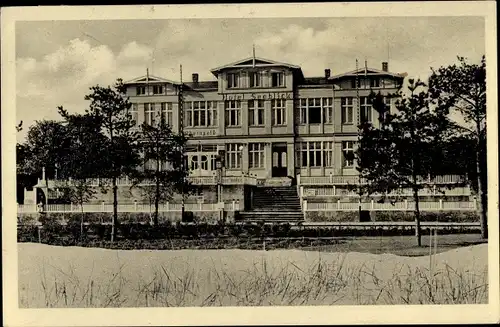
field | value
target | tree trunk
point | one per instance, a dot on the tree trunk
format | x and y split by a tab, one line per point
480	196
157	201
114	223
417	217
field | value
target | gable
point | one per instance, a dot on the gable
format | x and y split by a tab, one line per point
149	79
257	62
253	61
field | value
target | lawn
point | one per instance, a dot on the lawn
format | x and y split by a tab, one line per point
400	245
51	276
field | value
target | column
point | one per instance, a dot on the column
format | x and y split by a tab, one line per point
337	156
290	149
175	118
268	157
290	121
221	118
268	116
244	117
337	115
244	159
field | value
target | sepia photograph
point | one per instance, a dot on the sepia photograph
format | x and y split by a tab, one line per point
284	163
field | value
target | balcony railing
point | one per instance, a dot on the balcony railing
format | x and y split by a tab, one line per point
332	191
398	206
353	180
196	180
135	207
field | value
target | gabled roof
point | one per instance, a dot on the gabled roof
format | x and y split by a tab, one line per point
370	71
150	79
249	62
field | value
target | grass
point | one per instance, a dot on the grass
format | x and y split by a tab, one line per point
400	245
80	277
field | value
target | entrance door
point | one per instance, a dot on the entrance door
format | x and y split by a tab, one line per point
279	161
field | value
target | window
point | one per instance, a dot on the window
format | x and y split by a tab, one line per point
213	161
311	110
375	82
233	113
256	112
346	110
255	79
327	110
212	113
278	112
365	110
200	113
233	80
194	162
204	162
314	110
327	154
233	156
304	154
303	111
256	155
157	89
314	154
141	90
134	113
277	79
348	154
166	112
149	113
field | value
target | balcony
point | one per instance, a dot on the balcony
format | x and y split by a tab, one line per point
353	180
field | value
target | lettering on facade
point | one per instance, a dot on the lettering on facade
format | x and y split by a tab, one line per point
258	96
203	132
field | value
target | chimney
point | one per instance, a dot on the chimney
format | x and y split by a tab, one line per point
385	66
195	78
327	73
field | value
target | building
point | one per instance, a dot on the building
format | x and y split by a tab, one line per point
271	121
287	140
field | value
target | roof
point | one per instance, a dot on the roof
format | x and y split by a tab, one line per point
203	85
369	71
249	62
150	79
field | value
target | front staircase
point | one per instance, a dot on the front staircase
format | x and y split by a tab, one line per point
274	204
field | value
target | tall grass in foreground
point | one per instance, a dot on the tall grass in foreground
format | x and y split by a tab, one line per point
322	283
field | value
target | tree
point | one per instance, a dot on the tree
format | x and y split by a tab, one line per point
464	86
111	106
84	158
46	144
163	173
390	157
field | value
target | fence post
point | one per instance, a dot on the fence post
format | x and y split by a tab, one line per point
475	202
305	205
103	208
331	178
298	179
406	204
201	206
234	205
338	204
39	234
334	190
135	205
71	207
372	204
440	204
302	191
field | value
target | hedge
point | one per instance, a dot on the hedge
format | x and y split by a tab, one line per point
345	216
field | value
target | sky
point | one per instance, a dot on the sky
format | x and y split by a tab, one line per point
57	61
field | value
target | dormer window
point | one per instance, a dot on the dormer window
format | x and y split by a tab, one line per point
158	89
277	79
233	80
141	90
353	83
255	79
375	82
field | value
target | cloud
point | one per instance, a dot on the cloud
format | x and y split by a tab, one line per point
64	76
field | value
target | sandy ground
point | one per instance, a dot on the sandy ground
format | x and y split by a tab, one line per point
51	276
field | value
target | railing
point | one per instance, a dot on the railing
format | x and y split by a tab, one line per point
436	191
399	206
196	180
345	180
135	207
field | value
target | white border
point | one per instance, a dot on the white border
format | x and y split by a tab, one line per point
250	315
